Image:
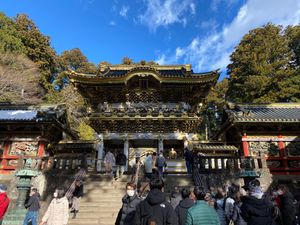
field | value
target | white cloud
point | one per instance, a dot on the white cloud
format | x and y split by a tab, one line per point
124	10
213	51
165	12
112	23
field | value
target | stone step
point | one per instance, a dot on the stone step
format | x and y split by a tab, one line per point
95	215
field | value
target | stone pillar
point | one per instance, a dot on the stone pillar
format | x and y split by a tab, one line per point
126	152
100	149
160	145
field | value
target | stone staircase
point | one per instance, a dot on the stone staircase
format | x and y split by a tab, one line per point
176	166
101	202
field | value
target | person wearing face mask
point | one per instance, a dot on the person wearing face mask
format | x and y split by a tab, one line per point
126	214
58	210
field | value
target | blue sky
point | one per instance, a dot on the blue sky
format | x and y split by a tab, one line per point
200	32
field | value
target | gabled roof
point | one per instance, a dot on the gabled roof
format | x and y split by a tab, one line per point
264	113
166	73
56	114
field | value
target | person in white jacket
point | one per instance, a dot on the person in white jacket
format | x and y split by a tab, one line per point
58	210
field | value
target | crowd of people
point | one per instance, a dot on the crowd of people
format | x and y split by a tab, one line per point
247	205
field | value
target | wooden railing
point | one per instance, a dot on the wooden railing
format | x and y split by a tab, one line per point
205	164
64	163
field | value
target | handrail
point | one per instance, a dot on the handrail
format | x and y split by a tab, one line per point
78	176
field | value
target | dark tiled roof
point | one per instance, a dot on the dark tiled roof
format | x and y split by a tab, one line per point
265	113
164	73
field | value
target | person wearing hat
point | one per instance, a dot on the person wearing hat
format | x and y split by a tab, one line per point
255	209
33	207
4	201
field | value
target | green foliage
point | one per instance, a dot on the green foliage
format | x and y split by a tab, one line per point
9	37
217	95
86	132
37	48
72	59
263	67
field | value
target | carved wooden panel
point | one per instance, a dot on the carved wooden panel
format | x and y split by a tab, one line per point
293	148
27	148
266	148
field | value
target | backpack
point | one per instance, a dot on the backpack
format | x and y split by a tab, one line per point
160	162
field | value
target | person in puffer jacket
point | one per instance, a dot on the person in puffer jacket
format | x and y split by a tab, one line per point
184	205
58	210
130	201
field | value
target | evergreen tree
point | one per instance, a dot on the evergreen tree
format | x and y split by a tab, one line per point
37	48
9	37
262	69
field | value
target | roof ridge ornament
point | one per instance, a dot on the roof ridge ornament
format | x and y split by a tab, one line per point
103	69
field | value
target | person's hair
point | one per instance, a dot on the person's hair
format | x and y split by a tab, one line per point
154	153
185	193
283	187
199	192
156	183
130	184
220	193
254	183
60	192
232	190
34	189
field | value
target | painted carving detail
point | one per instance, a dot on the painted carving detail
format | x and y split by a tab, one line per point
293	148
295	164
266	148
273	164
24	148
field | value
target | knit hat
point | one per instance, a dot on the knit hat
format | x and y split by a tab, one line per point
254	189
3	187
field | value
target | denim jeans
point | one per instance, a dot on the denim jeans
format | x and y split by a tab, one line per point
31	215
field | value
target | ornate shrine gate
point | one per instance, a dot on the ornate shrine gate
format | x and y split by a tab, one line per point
141	108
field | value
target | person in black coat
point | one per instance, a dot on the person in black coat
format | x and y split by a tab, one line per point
155	209
33	207
184	205
121	161
130	201
288	209
255	209
77	195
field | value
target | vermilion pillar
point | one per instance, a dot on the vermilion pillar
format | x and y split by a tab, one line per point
245	145
5	154
41	150
282	150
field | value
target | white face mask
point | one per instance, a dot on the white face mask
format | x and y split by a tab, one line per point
55	194
130	193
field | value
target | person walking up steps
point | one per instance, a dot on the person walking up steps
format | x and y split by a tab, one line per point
77	195
120	163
